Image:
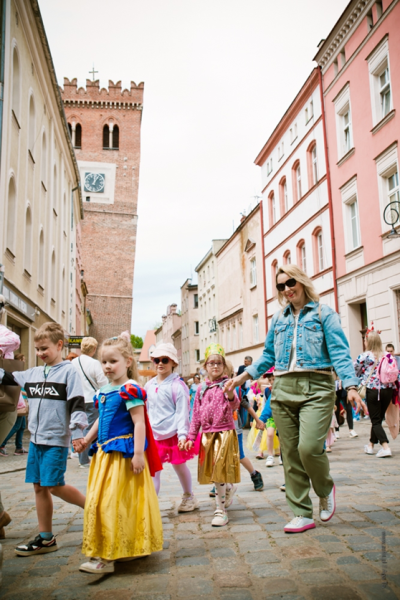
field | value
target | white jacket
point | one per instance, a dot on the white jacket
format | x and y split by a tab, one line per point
166	417
94	372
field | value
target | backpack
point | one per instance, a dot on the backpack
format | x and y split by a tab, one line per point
388	370
176	384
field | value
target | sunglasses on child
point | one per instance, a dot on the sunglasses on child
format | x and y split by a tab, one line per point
164	360
290	283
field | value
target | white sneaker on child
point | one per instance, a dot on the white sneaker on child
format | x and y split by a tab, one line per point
220	518
189	503
98	566
299	524
269	461
230	492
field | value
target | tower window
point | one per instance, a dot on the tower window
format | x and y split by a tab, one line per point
106	136
115	137
78	136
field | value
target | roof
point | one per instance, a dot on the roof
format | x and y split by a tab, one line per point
149	340
210	252
242	224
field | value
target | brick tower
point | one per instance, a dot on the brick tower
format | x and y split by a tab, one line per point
105	129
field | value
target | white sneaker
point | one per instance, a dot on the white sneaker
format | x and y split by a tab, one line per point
98	566
384	453
75	455
299	524
327	506
270	461
189	503
352	433
220	518
337	435
230	492
368	449
280	460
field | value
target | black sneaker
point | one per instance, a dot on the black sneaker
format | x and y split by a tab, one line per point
212	492
37	546
257	481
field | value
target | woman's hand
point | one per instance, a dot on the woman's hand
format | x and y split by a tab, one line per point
260	425
355	400
189	445
137	464
181	443
231	384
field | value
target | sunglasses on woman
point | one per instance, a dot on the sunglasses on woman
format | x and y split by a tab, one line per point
164	360
290	283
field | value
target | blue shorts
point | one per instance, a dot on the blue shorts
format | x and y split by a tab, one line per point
241	451
46	465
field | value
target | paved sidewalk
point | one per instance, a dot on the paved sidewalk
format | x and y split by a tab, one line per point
354	556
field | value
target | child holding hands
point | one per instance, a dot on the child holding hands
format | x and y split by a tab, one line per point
219	460
122	519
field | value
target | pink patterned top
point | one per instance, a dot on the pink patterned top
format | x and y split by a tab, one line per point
214	412
9	342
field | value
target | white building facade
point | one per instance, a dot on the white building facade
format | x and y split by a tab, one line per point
295	196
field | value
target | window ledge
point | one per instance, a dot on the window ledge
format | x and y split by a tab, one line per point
110	148
53	302
383	121
65	235
44	187
27	274
346	156
294	139
15	118
10	255
354	252
40	289
252	287
55	212
310	119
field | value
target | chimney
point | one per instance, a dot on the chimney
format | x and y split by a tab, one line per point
173	308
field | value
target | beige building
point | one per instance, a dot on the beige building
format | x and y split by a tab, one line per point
207	276
241	291
40	201
190	329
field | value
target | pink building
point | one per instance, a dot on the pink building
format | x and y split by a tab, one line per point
296	217
360	65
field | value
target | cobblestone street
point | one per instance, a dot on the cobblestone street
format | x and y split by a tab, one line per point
355	556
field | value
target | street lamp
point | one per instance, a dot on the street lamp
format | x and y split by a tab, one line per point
391	216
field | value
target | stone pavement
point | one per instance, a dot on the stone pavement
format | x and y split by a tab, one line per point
354	556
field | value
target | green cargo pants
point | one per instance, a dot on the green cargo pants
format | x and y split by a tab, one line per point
302	406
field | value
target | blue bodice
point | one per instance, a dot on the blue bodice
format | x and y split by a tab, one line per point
115	421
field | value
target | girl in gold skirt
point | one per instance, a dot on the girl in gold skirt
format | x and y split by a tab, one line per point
219	460
122	518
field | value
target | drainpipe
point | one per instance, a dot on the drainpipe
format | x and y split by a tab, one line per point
263	265
2	58
328	181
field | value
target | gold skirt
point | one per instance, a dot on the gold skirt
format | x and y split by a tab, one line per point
219	459
122	517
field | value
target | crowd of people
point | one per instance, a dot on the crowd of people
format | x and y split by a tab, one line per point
303	384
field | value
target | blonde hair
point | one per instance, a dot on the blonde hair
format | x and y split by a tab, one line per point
299	275
374	343
126	349
52	331
229	370
88	345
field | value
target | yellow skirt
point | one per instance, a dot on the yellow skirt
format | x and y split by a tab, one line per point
219	459
122	517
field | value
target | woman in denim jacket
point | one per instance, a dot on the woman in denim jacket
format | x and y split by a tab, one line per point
306	343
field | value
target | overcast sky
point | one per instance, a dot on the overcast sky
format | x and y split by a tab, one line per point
218	76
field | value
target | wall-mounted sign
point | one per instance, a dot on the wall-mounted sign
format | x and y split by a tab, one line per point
75	341
17	302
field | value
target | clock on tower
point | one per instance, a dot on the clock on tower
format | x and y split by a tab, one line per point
95	182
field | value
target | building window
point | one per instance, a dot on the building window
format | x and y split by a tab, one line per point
296	180
43	165
393	187
32	126
314	164
106	137
28	241
269	166
16	85
204	278
196	328
253	273
344	130
240	335
272	209
320	247
115	137
274	268
380	84
287	258
11	216
53	285
55	190
354	224
384	92
255	329
78	136
318	250
346	124
283	196
197	355
302	255
195	301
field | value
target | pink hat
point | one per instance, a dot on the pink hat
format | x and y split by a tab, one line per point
165	349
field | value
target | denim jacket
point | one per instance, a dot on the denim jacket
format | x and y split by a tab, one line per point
320	343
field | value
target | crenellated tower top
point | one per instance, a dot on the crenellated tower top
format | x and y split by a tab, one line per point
112	97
